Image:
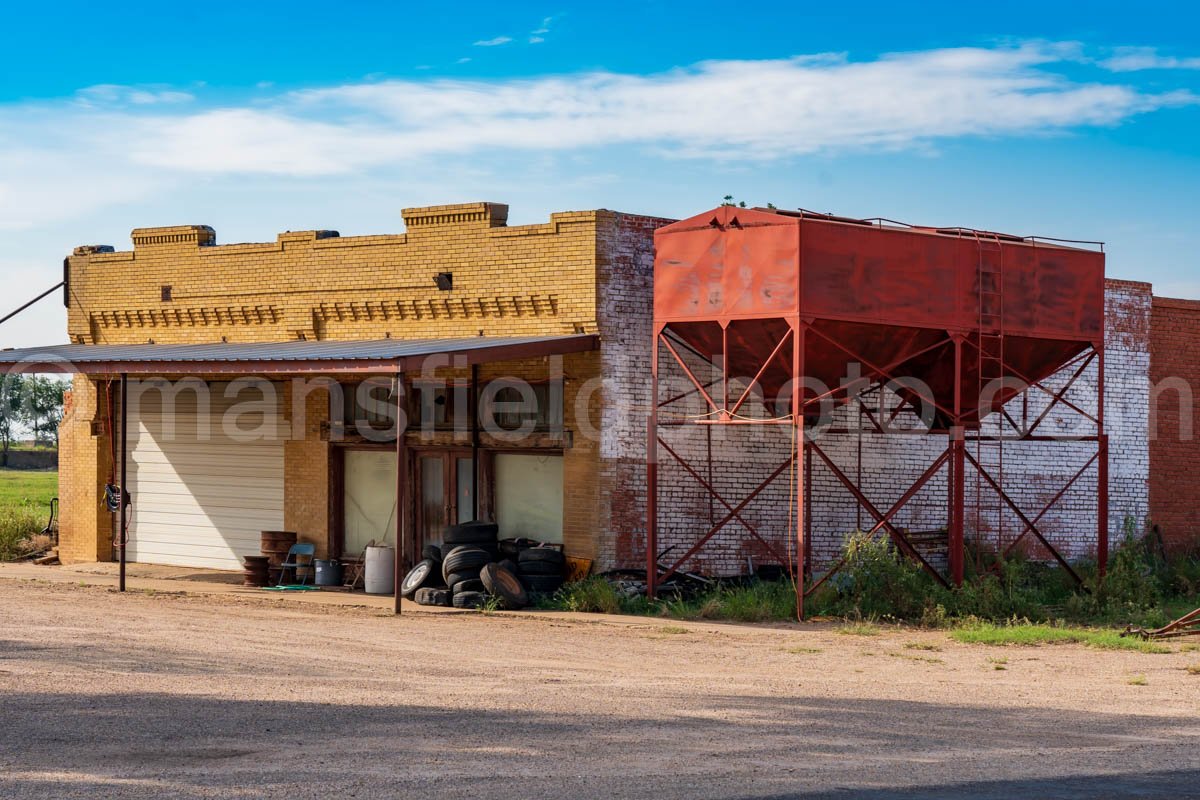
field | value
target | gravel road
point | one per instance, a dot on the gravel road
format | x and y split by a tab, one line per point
188	696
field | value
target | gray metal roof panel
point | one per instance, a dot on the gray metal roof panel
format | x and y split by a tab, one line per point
325	350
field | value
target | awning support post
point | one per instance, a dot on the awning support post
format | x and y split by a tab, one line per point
474	413
122	524
401	485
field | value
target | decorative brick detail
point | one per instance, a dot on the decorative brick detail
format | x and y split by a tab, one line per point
197	235
490	214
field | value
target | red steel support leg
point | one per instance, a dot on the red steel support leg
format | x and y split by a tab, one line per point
1101	473
1102	507
798	465
652	477
958	498
958	501
808	510
724	371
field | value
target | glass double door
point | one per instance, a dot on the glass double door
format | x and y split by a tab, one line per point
445	491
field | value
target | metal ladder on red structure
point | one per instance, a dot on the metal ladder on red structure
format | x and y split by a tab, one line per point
989	453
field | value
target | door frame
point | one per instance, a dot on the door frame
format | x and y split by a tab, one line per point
450	456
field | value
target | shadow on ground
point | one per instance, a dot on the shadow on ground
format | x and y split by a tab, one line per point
153	745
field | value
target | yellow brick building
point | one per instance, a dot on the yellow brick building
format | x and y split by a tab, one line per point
549	311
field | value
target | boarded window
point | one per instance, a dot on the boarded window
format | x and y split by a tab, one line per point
529	496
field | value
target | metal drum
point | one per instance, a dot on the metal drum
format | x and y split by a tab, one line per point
380	574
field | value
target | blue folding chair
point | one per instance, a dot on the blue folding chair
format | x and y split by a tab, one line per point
293	562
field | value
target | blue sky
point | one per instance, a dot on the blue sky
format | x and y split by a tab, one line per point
1073	121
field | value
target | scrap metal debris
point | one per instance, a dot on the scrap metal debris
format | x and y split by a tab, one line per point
1187	625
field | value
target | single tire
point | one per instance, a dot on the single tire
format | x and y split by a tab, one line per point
462	559
469	585
541	554
432	597
491	549
540	568
542	584
455	578
471	533
510	565
432	552
512	547
417	577
470	600
503	584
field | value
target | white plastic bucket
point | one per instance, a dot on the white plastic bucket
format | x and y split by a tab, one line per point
380	574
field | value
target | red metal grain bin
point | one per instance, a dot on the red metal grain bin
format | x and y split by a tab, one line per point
881	294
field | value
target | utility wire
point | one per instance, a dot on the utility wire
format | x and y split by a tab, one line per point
49	291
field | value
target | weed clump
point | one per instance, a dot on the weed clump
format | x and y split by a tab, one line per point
19	527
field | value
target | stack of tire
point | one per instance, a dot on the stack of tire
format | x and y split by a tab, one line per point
461	570
423	582
541	569
463	573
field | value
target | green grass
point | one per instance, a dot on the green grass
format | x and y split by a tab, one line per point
1034	634
859	629
757	602
910	657
22	487
24	507
593	595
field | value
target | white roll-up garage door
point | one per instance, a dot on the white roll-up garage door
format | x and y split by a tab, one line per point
206	475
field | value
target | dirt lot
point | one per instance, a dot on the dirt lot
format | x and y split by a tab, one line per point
204	696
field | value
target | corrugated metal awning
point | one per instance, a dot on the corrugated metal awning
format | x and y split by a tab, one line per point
293	357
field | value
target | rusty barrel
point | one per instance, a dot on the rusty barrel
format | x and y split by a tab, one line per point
275	546
256	570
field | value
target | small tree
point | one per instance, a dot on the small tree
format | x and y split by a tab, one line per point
12	410
44	407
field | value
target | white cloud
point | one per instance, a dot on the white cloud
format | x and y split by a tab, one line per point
1135	59
538	34
731	111
112	94
496	42
728	110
